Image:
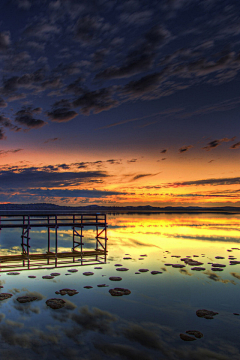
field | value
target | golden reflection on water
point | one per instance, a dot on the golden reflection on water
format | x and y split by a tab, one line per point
145	324
179	233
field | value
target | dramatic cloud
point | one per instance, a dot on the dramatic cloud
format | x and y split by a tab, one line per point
185	148
62	114
26	118
141	58
3	104
96	101
235	146
213	144
35	178
163	151
71	193
4	40
139	176
51	140
220	181
13	151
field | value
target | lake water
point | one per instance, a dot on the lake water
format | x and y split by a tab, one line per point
145	324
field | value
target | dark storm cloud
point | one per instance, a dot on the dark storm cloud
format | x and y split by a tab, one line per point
62	114
144	85
51	140
72	68
89	29
75	88
141	58
13	151
2	134
99	57
19	61
185	148
26	118
213	144
213	182
5	122
163	151
35	178
29	81
3	103
71	193
235	146
132	161
62	111
42	30
24	4
136	18
96	101
4	40
139	176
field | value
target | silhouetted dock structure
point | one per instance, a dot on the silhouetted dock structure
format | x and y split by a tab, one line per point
77	222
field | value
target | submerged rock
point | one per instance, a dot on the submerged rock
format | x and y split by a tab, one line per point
55	303
32	276
115	278
88	273
186	337
198	268
25	299
102	285
118	265
72	270
178	266
122	269
119	292
195	333
217	269
219	257
55	274
143	270
48	277
127	258
98	267
4	296
155	272
207	314
67	291
13	273
218	265
88	287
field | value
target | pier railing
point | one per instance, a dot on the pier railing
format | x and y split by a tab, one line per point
78	222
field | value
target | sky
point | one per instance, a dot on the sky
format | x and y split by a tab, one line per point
120	102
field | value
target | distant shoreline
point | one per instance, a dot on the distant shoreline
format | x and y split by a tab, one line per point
65	211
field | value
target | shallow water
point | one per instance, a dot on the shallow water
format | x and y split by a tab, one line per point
145	324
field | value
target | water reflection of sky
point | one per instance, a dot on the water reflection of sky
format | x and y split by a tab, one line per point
145	324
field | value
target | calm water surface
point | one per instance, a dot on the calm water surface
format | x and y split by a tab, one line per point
145	324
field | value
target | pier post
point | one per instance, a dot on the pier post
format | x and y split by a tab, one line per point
56	236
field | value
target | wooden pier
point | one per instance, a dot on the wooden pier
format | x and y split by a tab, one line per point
77	222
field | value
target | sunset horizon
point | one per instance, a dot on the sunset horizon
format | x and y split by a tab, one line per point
129	104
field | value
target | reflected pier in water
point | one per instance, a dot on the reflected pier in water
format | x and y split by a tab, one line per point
77	222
